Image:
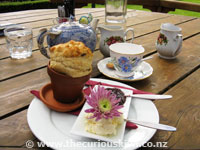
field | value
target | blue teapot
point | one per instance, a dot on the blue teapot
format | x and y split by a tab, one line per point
67	31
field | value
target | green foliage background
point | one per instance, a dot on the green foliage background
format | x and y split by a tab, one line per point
44	4
177	11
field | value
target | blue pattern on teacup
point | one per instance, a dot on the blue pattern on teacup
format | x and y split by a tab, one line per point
123	60
126	64
127	68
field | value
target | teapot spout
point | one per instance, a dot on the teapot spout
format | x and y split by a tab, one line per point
94	23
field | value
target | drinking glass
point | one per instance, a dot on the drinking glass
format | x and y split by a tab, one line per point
115	11
19	41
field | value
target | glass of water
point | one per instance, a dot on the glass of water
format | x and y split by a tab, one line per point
19	41
115	11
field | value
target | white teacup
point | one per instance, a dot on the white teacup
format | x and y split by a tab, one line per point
169	41
126	57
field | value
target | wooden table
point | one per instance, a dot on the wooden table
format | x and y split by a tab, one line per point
179	77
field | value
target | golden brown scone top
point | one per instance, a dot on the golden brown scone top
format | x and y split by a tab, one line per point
71	58
71	49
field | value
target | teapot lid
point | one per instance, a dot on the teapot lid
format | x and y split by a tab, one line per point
83	23
69	26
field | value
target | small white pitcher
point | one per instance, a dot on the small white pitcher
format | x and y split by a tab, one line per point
111	35
169	41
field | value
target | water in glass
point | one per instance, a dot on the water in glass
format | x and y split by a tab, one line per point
19	42
115	11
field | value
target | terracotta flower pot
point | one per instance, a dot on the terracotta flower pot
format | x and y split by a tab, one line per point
65	88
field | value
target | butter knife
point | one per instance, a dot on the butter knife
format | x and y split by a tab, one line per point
152	125
150	96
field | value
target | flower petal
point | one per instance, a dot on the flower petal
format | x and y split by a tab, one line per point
100	94
91	110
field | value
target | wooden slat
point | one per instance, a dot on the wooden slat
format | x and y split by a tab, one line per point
44	20
180	5
15	130
167	72
48	24
134	20
152	84
41	23
38	60
13	148
173	4
147	41
10	18
37	25
131	21
15	94
183	112
20	13
137	2
19	95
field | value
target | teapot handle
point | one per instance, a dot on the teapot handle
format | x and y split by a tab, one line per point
40	41
129	30
178	39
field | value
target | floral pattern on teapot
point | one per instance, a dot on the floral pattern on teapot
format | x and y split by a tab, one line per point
80	33
67	31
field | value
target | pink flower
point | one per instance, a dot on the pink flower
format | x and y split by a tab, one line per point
103	103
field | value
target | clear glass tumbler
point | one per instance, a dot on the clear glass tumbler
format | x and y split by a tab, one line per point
19	41
115	11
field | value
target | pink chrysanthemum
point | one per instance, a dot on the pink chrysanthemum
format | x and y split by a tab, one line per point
103	103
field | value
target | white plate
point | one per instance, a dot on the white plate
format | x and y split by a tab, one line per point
142	72
78	127
53	128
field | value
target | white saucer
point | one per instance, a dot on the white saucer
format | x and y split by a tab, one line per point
142	72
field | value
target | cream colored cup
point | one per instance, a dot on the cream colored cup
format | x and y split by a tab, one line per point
169	41
126	57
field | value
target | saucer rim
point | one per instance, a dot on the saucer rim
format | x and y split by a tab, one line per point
125	80
66	107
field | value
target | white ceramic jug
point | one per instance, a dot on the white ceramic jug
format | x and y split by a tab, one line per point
169	41
110	35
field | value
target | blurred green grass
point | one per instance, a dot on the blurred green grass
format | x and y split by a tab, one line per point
42	4
7	3
25	5
177	11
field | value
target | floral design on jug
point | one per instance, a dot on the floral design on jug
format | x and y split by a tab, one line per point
113	39
162	39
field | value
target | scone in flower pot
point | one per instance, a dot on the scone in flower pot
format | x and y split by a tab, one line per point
65	88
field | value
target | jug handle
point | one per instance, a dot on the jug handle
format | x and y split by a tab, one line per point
40	41
179	39
129	30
